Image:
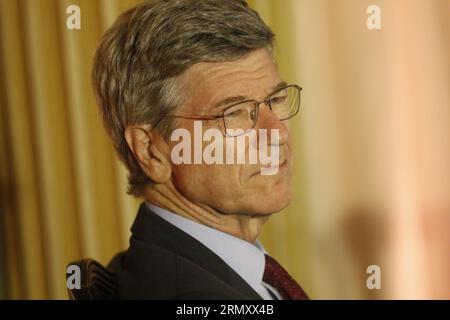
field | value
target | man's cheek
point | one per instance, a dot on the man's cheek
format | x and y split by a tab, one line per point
186	176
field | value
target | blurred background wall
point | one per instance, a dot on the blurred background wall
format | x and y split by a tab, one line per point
372	180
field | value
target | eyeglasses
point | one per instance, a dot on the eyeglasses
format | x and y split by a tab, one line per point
241	117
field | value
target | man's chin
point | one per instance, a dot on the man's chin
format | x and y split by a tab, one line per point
269	209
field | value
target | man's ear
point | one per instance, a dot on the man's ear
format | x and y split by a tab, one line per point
142	142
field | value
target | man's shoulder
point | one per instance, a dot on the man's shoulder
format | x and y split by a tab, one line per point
148	271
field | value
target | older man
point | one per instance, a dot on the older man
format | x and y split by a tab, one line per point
198	73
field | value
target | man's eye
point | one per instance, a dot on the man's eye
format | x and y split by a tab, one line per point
234	113
277	100
253	114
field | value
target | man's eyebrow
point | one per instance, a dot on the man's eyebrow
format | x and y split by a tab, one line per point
280	85
227	101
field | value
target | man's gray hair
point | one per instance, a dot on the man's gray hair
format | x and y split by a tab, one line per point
141	56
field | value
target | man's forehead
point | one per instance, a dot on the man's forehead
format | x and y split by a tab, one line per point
258	63
254	76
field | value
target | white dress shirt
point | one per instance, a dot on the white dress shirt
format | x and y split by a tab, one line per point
245	258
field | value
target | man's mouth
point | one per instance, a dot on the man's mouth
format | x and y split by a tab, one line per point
271	169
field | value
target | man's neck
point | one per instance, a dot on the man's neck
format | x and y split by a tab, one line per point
246	227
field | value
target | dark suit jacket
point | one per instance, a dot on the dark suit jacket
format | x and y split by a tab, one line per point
163	262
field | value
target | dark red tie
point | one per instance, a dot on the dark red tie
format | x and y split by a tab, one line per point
277	277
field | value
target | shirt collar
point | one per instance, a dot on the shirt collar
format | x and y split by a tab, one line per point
245	258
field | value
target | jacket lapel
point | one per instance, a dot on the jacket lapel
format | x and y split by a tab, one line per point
151	228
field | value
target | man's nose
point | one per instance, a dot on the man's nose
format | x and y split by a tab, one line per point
268	120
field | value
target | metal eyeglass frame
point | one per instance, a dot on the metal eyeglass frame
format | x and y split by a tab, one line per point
266	101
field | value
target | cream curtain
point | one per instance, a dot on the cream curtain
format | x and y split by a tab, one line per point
372	180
